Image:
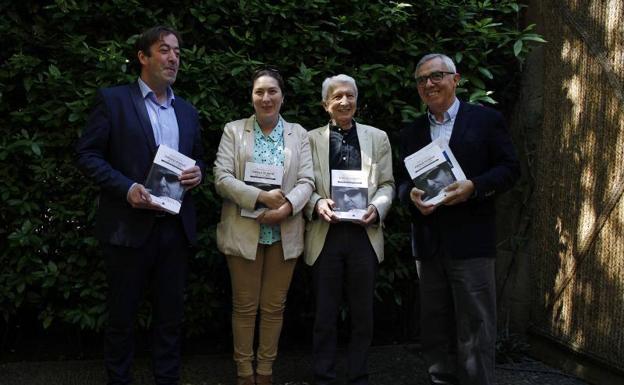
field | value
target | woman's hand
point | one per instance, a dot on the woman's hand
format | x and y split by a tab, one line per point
272	199
276	216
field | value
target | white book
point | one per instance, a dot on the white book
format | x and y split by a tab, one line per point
264	176
432	169
349	191
162	181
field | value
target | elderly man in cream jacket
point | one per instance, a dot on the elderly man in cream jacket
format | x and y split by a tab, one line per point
345	254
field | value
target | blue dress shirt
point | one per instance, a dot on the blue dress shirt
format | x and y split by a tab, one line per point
162	116
445	128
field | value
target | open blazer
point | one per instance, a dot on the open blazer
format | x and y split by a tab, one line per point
117	149
237	235
484	150
376	164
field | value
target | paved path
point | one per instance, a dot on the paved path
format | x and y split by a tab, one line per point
389	365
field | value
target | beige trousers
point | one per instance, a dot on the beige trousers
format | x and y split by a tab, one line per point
261	283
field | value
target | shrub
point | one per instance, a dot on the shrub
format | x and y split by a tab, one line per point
56	54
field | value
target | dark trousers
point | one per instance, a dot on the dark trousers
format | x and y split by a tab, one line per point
458	319
347	260
160	264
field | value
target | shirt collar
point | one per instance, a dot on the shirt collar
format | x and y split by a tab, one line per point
449	115
147	92
338	129
276	134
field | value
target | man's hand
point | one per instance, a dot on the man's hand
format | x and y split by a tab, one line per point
370	217
416	197
325	210
273	199
139	198
190	177
276	216
458	192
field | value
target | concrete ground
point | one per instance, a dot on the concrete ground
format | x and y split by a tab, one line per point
389	365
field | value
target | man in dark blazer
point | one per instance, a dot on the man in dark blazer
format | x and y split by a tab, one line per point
455	242
142	245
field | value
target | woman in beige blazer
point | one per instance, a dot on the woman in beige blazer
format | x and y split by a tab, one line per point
261	252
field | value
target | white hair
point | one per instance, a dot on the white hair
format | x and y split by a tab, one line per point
448	62
330	82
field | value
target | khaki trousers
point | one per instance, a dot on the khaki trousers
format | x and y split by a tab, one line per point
261	283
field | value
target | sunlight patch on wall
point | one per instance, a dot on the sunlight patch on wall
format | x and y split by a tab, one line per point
587	216
610	247
573	88
567	52
613	21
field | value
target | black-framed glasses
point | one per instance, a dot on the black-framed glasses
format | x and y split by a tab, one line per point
435	77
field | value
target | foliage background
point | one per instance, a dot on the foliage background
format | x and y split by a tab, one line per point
55	54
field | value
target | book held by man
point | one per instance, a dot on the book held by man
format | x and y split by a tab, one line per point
264	176
432	169
349	191
162	180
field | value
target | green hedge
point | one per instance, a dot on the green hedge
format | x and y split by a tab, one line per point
55	54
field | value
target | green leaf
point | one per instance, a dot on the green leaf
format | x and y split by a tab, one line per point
35	148
237	70
517	48
476	81
52	267
486	72
533	38
54	71
47	321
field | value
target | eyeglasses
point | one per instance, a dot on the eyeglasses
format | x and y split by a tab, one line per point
435	77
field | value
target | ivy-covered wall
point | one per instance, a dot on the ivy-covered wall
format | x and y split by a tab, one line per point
55	54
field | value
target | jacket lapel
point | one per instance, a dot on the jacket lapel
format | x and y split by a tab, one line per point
322	153
184	136
366	148
139	106
247	146
459	127
289	146
423	132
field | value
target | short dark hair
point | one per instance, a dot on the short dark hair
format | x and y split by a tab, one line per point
149	37
271	72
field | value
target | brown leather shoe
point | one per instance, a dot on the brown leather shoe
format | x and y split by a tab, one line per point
248	380
262	379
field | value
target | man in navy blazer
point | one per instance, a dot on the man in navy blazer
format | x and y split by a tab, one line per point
143	246
455	242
